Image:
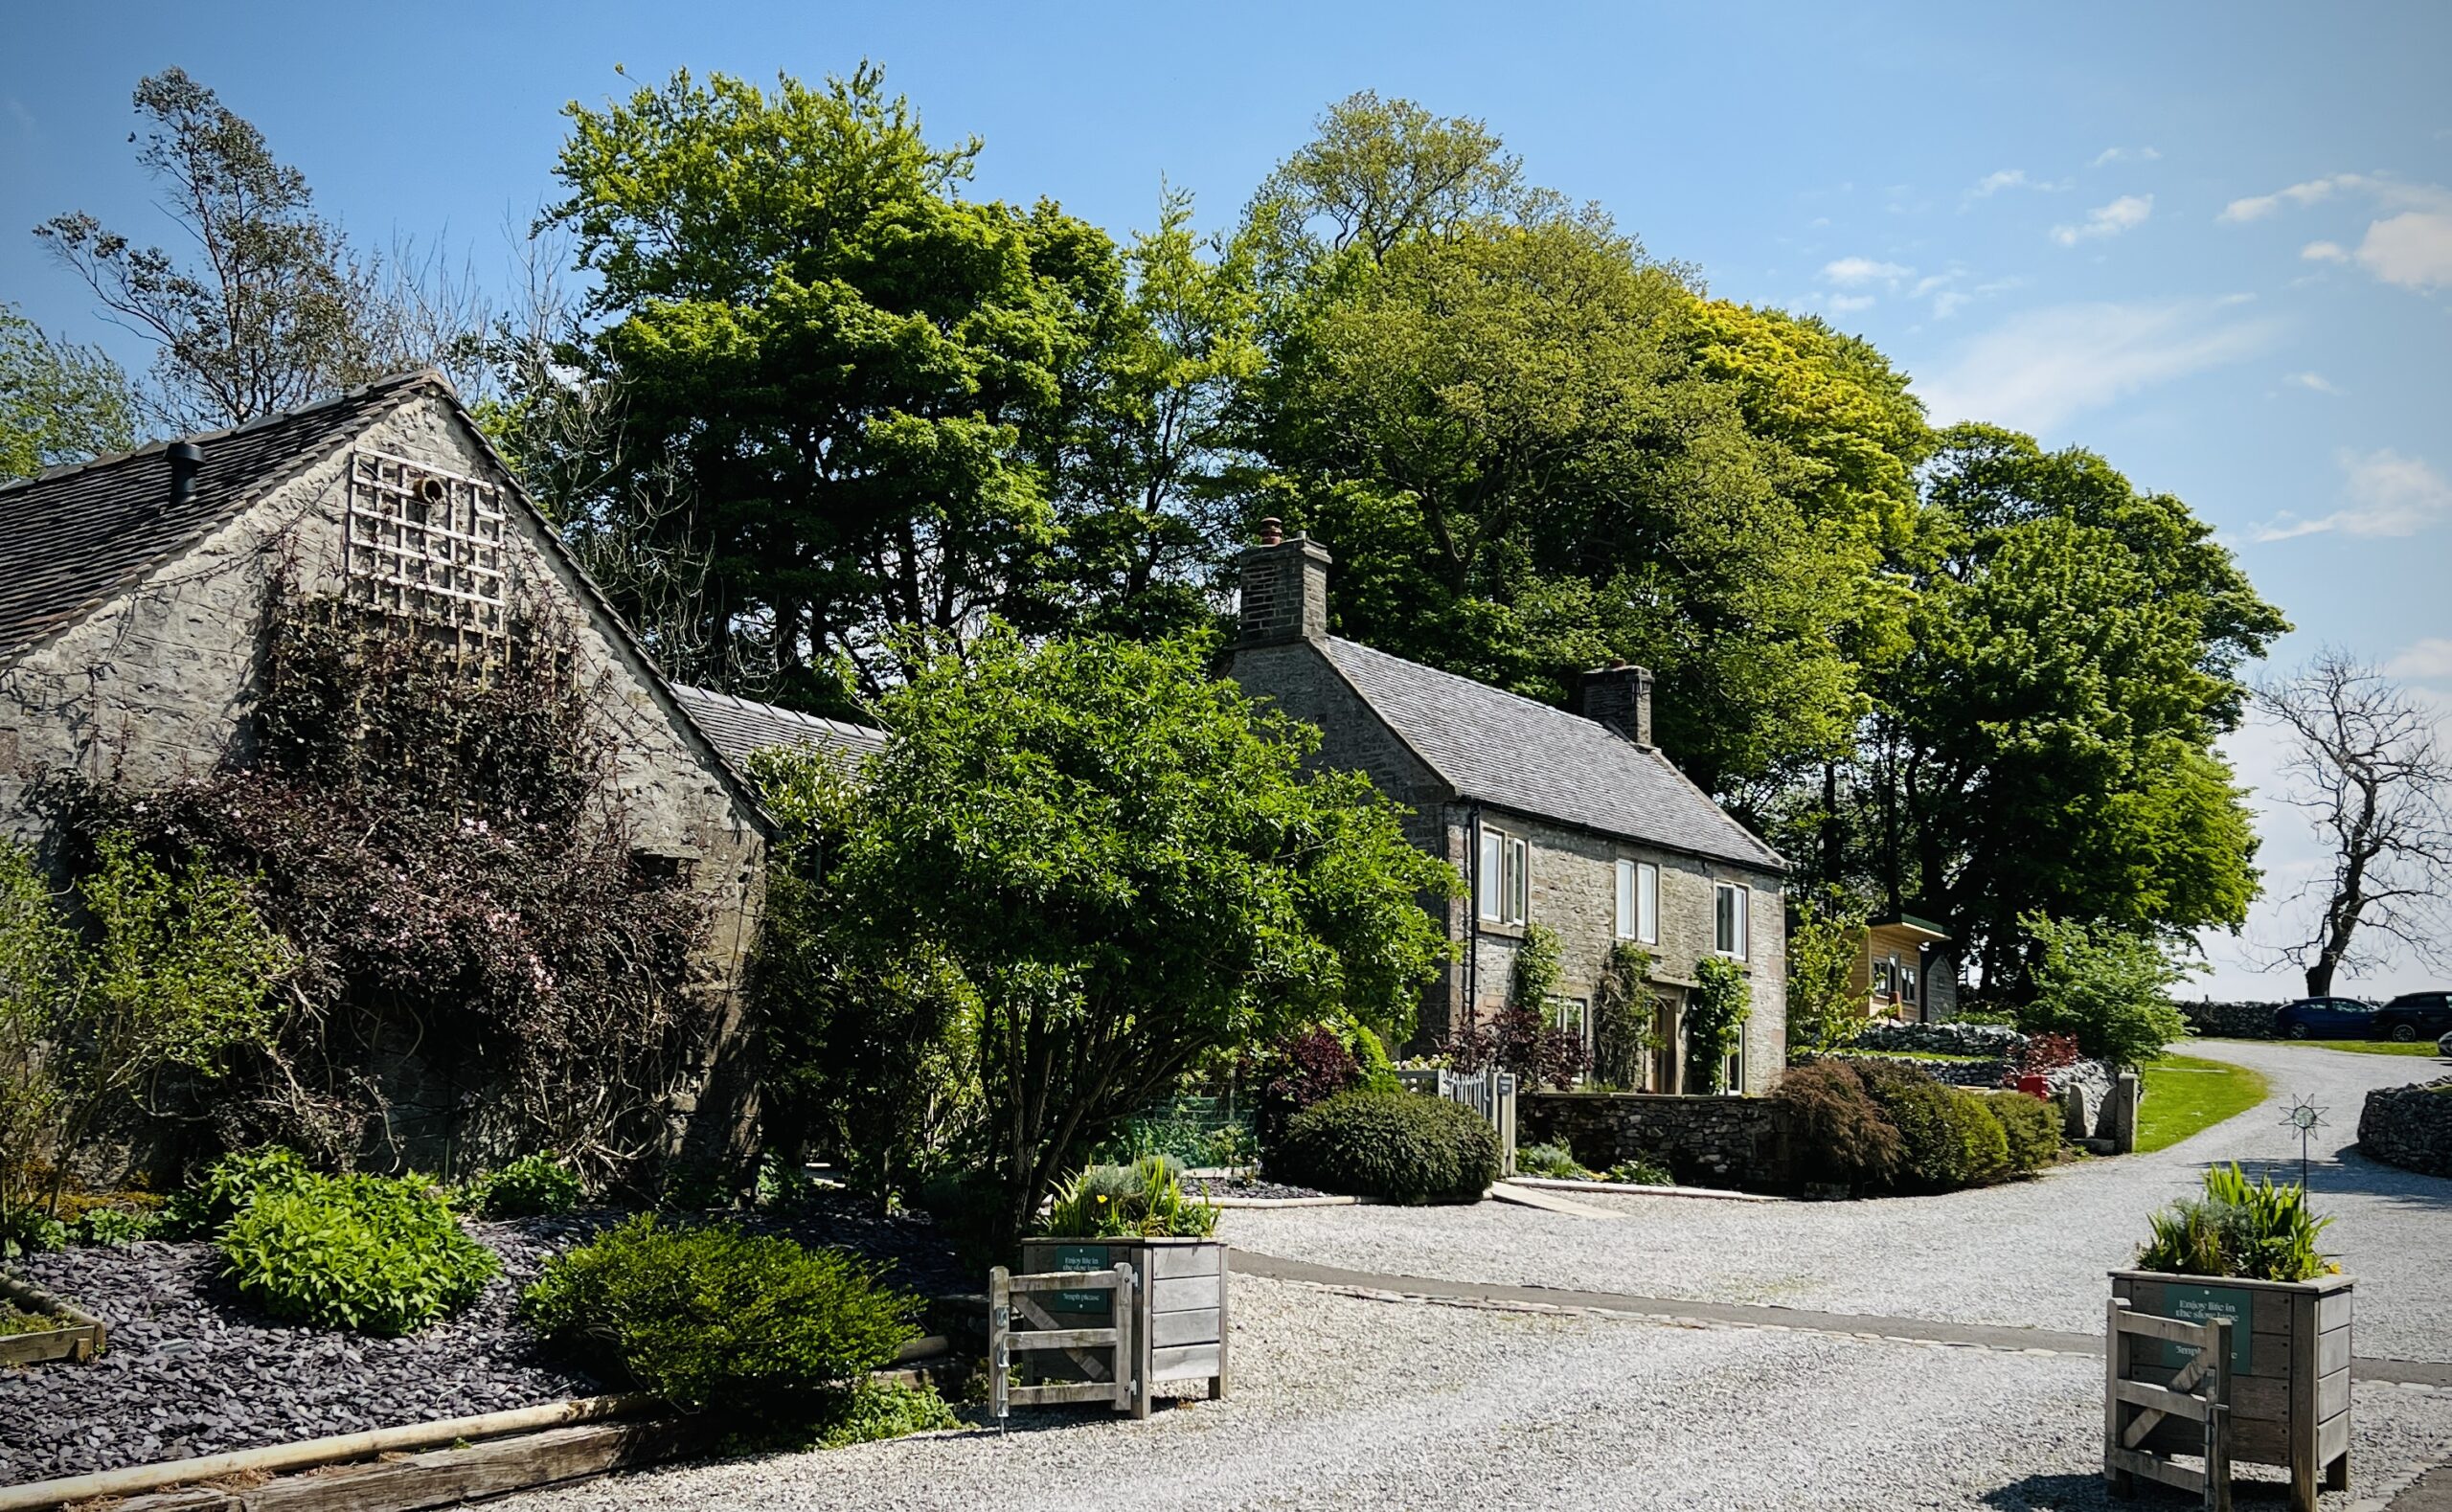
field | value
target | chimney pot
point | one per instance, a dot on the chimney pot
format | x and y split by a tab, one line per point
1272	531
1285	588
187	458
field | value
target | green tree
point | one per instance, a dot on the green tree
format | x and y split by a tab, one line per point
849	391
58	402
2109	987
1126	863
1826	1006
276	310
2048	744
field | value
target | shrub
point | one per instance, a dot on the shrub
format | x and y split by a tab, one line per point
1297	1072
2109	988
1640	1171
1523	1041
381	1254
1838	1128
713	1319
2259	1232
229	1187
1949	1138
527	1186
117	1228
1399	1146
888	1409
2040	1056
1143	1200
1826	945
30	1231
1554	1161
2030	1126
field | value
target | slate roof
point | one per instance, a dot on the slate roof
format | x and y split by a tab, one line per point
1519	754
739	726
76	537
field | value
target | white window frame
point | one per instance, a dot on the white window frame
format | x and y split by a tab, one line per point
1638	898
1743	932
1732	1074
1557	1007
1505	882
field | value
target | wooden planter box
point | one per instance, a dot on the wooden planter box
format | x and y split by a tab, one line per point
1179	1333
79	1337
2289	1369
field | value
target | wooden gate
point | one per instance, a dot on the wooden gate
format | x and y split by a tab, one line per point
2134	1410
1110	1378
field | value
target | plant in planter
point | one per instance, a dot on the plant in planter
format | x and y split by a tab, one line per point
1138	1215
2248	1251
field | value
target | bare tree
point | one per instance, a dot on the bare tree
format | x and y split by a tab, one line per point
2370	768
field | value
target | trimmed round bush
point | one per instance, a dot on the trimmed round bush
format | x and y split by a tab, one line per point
2031	1125
714	1317
1398	1146
1947	1138
379	1254
528	1188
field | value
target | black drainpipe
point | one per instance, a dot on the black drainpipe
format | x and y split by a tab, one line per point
1473	916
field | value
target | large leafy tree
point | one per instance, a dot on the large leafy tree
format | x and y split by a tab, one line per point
855	394
58	402
1122	866
2047	744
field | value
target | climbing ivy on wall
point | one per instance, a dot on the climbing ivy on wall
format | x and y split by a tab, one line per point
1715	1015
442	843
1621	1017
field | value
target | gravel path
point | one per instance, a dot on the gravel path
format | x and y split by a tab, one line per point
2031	1254
1344	1402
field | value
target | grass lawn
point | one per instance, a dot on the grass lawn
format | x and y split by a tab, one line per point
2184	1094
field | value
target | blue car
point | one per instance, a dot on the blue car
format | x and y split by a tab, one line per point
2326	1018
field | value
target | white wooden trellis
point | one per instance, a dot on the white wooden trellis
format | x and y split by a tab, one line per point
427	546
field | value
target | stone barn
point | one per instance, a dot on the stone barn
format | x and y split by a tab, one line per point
133	646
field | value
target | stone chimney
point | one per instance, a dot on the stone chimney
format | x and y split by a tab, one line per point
1618	696
1285	588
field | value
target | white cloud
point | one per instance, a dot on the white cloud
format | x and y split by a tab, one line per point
1846	303
2037	369
2324	252
2125	214
2123	155
2427	661
1948	303
2391	495
1851	272
1991	184
2256	207
2311	380
2413	249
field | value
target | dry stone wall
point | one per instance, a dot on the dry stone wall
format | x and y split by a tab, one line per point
2410	1127
1737	1142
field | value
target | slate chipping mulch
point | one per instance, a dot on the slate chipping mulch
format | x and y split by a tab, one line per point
193	1369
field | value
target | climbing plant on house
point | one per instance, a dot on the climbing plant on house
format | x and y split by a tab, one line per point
1621	1017
1715	1016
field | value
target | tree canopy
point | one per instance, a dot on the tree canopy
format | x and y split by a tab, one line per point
58	402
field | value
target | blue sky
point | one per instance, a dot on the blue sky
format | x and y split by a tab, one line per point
2214	242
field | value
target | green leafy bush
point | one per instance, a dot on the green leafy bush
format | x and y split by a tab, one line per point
2255	1230
2031	1125
1715	1017
2107	986
1949	1138
888	1409
714	1318
229	1187
1555	1161
1143	1200
1399	1146
30	1231
1640	1171
117	1228
1838	1128
381	1254
527	1186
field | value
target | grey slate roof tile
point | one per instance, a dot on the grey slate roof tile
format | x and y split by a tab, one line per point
1516	754
76	537
739	726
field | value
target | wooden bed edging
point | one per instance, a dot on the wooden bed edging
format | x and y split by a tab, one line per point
310	1453
82	1339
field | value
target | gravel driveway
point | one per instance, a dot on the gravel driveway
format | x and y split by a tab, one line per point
1344	1402
2031	1254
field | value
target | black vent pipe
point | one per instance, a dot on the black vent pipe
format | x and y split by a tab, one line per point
187	458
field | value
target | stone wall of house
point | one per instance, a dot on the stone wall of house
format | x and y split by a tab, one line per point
1738	1142
2230	1021
2409	1127
158	686
1572	878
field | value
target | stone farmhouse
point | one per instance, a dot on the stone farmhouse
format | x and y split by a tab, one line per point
131	629
1575	821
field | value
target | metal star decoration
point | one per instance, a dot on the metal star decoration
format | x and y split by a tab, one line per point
2307	1117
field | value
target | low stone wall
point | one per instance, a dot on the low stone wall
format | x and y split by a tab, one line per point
1707	1141
2230	1021
1942	1039
1956	1073
2409	1127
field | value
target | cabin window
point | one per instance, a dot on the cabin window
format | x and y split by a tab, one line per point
1730	932
1505	886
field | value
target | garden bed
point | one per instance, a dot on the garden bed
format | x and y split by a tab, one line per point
193	1369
